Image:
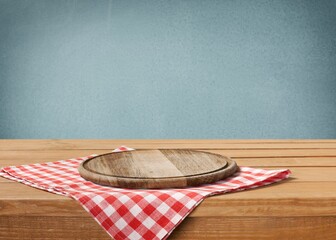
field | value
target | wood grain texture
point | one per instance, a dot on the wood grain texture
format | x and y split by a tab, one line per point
252	162
164	168
257	228
88	144
46	228
69	228
302	207
281	199
52	155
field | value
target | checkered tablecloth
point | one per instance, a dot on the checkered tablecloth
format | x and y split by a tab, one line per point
127	213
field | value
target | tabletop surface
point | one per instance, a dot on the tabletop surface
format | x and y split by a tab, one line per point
303	206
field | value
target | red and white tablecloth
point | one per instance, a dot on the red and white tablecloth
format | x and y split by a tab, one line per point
128	213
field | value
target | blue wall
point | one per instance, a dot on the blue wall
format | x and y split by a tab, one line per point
167	69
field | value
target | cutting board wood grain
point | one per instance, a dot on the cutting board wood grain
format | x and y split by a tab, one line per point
160	168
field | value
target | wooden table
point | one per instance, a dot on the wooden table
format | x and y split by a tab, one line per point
302	207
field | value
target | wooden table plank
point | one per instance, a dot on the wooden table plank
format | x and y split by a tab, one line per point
256	228
281	199
19	145
52	155
287	162
283	162
67	228
50	228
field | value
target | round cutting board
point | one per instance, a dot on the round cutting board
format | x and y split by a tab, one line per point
160	168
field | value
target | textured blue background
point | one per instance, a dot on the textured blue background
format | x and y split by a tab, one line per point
167	69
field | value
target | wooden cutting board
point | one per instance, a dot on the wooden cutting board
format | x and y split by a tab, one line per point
161	168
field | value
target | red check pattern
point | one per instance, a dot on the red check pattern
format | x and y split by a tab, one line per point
133	214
